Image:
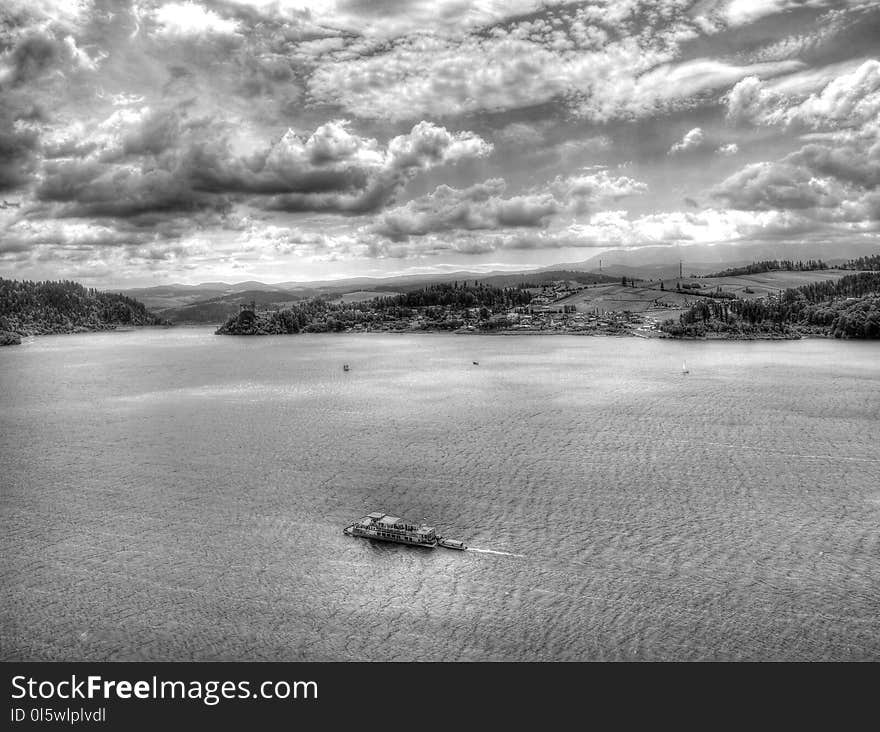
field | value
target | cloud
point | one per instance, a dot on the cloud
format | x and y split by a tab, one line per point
744	12
483	206
32	56
224	133
835	175
768	186
692	140
381	21
154	160
18	145
191	19
477	207
611	228
850	99
587	189
370	179
526	64
92	189
846	162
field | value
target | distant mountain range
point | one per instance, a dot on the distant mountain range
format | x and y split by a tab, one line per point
213	302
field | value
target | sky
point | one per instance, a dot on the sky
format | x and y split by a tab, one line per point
145	143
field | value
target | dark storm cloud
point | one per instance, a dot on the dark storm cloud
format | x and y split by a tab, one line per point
162	162
32	57
212	168
29	59
334	170
89	188
17	148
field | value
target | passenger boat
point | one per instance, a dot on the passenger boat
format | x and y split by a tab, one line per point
383	527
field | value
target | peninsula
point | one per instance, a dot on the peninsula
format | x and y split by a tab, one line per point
39	308
747	303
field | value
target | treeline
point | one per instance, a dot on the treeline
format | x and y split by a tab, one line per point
32	308
772	265
446	306
863	263
848	307
455	295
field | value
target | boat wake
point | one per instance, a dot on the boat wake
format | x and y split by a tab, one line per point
495	551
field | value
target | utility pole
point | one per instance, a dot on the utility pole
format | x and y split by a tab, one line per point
679	269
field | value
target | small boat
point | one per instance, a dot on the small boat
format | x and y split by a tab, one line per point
345	367
684	368
451	544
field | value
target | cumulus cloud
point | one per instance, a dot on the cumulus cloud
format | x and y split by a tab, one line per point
480	206
18	145
855	164
834	176
692	140
525	64
483	206
767	186
584	191
848	100
730	148
365	179
160	160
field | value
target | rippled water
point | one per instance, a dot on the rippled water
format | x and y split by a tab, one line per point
170	494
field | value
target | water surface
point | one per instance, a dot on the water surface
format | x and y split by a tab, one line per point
175	495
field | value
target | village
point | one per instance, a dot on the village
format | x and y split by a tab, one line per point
552	309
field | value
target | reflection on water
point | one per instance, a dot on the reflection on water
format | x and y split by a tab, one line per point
172	494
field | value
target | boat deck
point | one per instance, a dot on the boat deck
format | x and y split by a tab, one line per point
383	527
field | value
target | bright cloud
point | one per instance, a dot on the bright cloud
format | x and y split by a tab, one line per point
691	141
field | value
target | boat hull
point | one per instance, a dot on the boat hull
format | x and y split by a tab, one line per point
368	534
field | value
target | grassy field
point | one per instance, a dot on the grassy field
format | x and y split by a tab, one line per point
648	299
767	283
363	295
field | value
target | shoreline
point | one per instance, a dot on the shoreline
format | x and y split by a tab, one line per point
14	338
17	337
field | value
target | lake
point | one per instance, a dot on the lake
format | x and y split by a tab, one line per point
176	495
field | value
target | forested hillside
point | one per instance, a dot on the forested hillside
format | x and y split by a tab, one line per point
35	308
845	308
